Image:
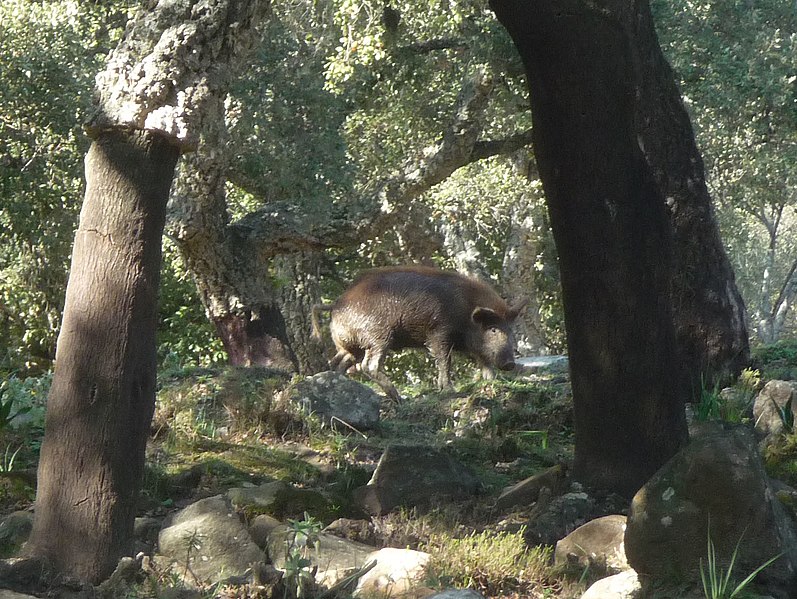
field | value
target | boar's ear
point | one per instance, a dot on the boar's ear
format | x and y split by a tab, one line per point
486	317
515	309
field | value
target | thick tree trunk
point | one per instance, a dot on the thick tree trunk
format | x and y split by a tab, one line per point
101	401
709	312
612	234
151	97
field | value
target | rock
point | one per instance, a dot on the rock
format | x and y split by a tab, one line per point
597	545
265	496
559	517
12	595
542	365
526	491
338	400
209	542
410	476
625	585
397	572
717	485
456	594
334	558
280	500
260	529
773	397
14	531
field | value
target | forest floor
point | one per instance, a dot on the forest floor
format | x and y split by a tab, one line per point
215	429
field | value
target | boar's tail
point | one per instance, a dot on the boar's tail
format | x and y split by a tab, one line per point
317	309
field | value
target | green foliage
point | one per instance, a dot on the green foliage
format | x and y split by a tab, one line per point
299	576
735	63
492	563
716	582
27	396
733	404
781	353
50	52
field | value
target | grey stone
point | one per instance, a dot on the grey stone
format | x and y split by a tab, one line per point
208	542
334	557
624	585
410	476
15	529
338	400
397	571
715	486
597	545
773	397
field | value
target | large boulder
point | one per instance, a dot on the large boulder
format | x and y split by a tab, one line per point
338	400
714	487
412	475
208	543
597	545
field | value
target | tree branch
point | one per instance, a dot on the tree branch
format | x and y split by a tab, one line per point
442	43
495	147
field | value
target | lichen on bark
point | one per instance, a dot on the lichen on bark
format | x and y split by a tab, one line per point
172	59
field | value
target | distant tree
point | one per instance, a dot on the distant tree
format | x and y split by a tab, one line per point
173	60
624	185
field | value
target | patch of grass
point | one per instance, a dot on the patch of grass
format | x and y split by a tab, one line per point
717	583
780	459
489	562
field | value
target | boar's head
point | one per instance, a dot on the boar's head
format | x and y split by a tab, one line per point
492	340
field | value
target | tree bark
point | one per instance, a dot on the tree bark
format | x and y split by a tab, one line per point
102	397
298	276
612	233
709	313
173	59
231	275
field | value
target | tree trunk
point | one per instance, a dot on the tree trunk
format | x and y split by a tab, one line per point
174	58
101	402
612	234
709	312
298	277
232	277
519	279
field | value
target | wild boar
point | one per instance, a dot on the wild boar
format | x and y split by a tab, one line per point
415	306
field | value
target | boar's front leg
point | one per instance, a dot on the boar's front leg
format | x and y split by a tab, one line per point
372	367
441	351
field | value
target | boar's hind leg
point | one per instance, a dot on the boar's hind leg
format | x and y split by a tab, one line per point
342	361
372	367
